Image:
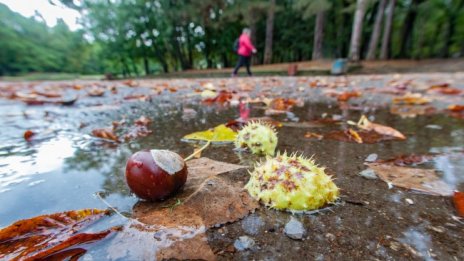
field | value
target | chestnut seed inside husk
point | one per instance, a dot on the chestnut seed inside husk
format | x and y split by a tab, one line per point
155	174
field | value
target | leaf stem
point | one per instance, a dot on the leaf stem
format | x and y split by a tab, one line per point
198	151
98	194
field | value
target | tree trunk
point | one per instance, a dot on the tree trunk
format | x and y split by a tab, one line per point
161	58
225	60
408	26
318	36
269	33
355	45
146	65
371	53
189	47
254	60
384	52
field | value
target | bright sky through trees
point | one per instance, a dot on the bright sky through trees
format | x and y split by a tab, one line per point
48	11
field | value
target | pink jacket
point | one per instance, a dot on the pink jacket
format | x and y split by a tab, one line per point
245	47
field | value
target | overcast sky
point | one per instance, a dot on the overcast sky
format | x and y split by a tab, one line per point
49	12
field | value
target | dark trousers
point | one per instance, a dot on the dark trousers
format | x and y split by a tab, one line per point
243	60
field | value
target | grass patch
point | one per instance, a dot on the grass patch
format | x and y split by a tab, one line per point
51	77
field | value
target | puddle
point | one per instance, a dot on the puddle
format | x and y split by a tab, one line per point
64	169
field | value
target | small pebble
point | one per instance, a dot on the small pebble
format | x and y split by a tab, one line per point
409	201
244	243
294	229
371	158
368	174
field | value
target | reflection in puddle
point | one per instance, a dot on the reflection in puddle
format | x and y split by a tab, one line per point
451	165
47	156
420	241
138	241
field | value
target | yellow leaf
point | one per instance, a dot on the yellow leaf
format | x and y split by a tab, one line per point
220	134
353	134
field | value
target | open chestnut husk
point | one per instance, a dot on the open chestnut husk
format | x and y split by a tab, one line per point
155	174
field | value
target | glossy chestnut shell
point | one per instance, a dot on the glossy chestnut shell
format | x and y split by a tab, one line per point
156	174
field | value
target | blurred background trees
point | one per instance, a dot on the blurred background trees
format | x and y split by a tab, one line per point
143	37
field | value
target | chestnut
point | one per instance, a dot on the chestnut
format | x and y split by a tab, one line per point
155	174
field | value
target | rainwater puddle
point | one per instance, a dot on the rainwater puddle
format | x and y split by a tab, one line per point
65	168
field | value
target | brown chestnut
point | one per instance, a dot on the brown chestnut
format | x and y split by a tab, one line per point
155	174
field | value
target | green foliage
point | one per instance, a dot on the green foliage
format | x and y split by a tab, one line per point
137	37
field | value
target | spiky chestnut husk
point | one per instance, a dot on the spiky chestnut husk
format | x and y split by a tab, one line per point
259	138
291	183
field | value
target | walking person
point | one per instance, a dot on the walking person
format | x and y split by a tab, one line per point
245	50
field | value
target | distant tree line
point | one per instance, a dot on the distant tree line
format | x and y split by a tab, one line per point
135	37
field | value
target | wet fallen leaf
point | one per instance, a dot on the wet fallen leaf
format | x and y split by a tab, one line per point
222	97
47	94
365	124
310	135
107	134
213	195
407	160
139	97
50	236
458	199
131	83
345	96
142	121
236	125
219	134
456	108
136	132
367	137
354	135
411	111
28	135
439	86
281	104
96	92
423	180
450	91
415	98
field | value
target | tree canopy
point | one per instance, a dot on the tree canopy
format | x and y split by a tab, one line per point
135	37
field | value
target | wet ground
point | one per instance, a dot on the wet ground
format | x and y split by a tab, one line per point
63	167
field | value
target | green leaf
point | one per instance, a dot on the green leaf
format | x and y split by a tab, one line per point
219	134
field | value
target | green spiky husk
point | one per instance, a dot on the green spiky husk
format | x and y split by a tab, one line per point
291	183
259	138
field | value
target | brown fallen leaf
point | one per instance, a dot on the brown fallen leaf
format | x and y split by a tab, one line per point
222	97
423	180
415	98
365	124
47	94
96	92
28	135
345	96
456	108
367	137
50	236
213	195
450	91
139	97
354	135
310	135
107	134
407	160
411	111
281	104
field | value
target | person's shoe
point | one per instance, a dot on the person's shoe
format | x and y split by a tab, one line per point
233	75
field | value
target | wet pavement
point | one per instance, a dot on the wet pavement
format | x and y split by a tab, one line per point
63	167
